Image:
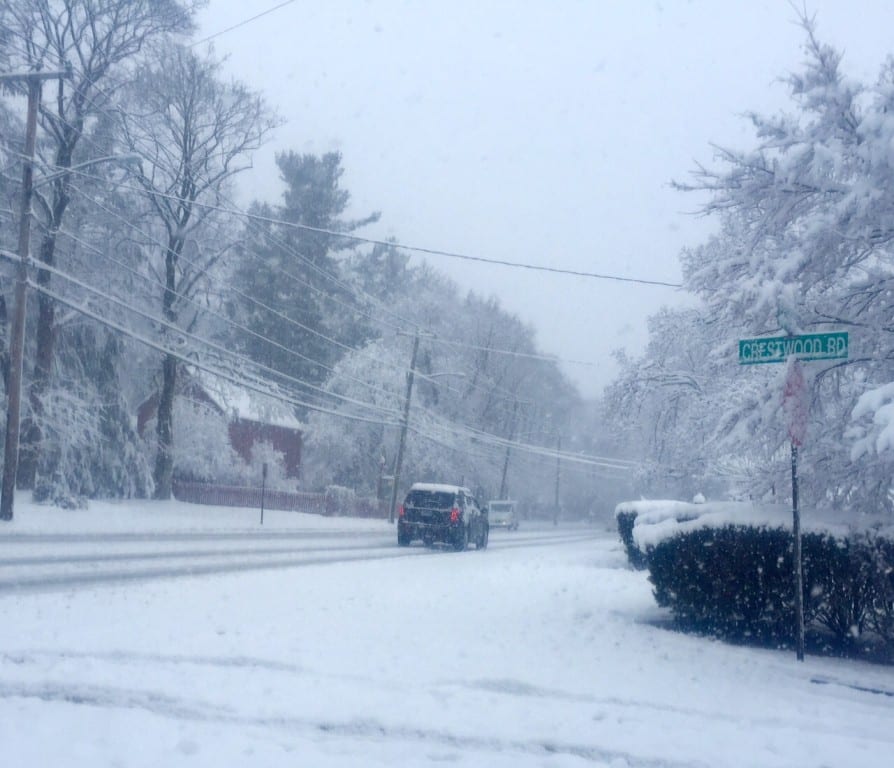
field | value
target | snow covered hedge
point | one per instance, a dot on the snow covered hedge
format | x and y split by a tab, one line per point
727	569
648	512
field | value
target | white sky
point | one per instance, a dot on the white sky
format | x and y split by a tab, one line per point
540	132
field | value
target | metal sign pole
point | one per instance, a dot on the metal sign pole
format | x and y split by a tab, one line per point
796	558
794	404
263	488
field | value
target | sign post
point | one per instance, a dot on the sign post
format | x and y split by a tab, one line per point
263	488
794	349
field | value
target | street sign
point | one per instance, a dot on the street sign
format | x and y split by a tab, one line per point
780	349
808	346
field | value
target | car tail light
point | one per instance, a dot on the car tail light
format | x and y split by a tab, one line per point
454	515
401	511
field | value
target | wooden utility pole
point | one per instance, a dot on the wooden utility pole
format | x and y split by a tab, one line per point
508	449
558	468
17	335
403	429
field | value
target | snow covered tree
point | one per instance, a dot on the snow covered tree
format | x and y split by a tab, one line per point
95	39
464	402
292	290
193	133
806	245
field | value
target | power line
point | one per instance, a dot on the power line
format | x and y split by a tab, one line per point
439	429
473	435
225	319
395	244
455	255
288	249
385	243
245	384
216	347
513	353
241	23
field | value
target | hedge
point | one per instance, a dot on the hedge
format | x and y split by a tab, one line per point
736	581
635	556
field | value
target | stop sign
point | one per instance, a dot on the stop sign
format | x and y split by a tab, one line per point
794	402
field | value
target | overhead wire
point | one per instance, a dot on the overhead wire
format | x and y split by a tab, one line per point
197	364
470	433
257	302
253	301
423	249
241	23
219	316
435	432
223	351
390	244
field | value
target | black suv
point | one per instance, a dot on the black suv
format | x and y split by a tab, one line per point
442	513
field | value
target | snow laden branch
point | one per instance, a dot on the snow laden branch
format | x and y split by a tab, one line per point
804	245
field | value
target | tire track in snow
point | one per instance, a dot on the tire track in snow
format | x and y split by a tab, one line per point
165	705
297	558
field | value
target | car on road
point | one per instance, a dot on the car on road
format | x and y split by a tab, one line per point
502	513
444	514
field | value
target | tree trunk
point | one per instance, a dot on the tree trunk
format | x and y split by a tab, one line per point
164	458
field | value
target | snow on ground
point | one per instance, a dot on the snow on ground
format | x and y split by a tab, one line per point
543	654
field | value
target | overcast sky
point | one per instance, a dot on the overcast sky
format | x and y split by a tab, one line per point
541	132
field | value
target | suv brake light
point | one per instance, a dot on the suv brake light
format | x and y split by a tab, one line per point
401	511
454	515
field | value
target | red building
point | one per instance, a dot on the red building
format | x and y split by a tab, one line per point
252	419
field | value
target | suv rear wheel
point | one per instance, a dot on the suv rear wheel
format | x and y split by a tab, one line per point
461	542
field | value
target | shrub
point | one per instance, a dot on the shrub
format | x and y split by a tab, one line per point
635	556
838	585
733	581
736	581
881	615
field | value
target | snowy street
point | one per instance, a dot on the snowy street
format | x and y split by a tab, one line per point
346	651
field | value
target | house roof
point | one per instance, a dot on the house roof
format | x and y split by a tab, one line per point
241	403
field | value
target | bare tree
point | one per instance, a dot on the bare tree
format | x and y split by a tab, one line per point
194	133
94	39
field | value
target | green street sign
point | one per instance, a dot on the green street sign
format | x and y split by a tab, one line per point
808	346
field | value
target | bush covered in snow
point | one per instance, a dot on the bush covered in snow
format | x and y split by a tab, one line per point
726	568
647	512
625	519
736	581
731	581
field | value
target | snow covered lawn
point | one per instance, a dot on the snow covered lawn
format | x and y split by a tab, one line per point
540	654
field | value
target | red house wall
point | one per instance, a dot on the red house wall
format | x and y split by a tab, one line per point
244	433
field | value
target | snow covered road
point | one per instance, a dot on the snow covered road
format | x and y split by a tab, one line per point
31	562
542	651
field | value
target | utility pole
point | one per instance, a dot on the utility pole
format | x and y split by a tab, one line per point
17	336
558	467
403	429
508	449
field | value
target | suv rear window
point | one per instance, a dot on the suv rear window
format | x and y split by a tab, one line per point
429	500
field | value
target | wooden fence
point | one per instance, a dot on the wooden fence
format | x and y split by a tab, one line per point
331	505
